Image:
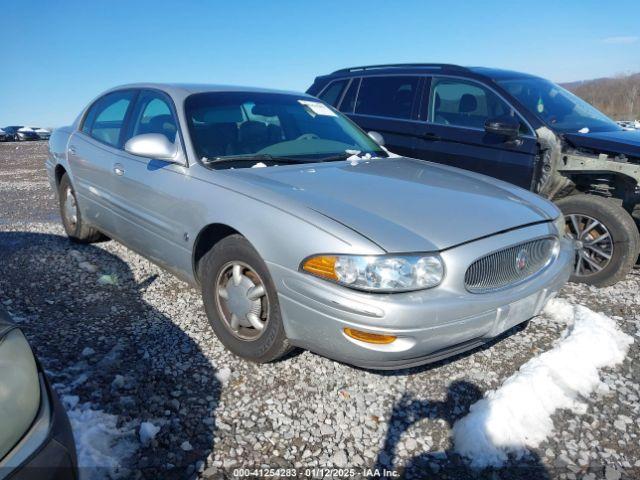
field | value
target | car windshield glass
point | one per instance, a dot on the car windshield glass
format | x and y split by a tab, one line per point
560	109
272	126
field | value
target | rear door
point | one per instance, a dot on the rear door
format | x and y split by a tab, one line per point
90	154
456	110
388	105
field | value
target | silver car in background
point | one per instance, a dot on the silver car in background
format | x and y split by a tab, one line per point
300	230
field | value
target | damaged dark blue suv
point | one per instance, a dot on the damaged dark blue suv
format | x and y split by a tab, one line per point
517	127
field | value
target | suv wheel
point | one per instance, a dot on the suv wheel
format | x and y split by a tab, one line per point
241	301
74	226
607	239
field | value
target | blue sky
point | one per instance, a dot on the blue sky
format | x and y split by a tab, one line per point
57	55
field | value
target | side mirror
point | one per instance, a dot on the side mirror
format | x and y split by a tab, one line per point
504	126
376	137
152	145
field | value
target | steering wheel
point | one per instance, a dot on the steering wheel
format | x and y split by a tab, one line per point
308	136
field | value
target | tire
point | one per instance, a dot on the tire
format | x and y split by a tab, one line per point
623	247
260	346
76	229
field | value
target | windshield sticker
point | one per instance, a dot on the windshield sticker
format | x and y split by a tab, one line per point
317	108
540	106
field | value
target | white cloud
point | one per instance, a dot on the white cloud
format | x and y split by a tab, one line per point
621	40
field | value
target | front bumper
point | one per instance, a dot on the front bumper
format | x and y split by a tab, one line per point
430	324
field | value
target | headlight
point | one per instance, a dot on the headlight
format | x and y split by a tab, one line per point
561	225
378	273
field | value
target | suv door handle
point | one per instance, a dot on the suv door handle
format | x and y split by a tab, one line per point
118	169
432	136
72	149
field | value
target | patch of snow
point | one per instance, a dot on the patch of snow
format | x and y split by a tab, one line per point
70	401
108	279
518	414
101	445
147	432
88	351
223	375
259	165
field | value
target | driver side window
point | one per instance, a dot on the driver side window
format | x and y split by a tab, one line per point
153	114
460	103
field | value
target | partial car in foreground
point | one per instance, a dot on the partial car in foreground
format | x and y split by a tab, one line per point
19	133
516	127
300	230
35	435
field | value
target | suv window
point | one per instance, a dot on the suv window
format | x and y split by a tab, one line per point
349	99
105	119
152	114
387	96
464	104
331	94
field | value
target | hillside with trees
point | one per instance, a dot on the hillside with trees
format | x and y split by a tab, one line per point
618	97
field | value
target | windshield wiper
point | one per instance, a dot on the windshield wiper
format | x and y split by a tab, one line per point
345	156
251	158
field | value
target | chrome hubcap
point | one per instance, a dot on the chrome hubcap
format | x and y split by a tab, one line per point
242	301
70	208
594	245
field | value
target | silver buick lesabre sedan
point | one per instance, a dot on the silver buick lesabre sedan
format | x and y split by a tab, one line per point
300	230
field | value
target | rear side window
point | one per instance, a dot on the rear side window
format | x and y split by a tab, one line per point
152	114
387	96
105	120
332	93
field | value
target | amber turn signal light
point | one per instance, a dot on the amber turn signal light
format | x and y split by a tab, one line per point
323	266
369	337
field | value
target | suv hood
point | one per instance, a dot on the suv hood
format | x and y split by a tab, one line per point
626	142
405	205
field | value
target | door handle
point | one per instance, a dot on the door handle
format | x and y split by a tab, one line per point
432	136
118	169
72	150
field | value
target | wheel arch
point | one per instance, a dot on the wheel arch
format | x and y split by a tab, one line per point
206	239
59	171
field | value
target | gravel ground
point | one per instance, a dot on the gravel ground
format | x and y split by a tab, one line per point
138	347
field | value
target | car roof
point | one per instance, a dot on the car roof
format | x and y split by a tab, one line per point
429	68
183	90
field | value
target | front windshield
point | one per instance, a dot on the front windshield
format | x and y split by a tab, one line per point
228	125
557	107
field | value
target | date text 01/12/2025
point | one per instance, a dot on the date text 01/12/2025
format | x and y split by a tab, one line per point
316	472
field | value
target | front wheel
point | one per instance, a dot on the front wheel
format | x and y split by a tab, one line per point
607	239
241	301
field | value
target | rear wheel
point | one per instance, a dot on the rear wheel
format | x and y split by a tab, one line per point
607	239
241	301
74	226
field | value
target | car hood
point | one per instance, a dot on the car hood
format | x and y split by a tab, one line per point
626	142
404	204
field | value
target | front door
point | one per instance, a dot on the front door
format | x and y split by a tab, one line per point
456	111
149	192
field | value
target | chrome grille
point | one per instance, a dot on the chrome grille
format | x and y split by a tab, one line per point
510	266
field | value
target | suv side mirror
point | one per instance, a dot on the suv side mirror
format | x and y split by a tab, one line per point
506	126
376	137
152	145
